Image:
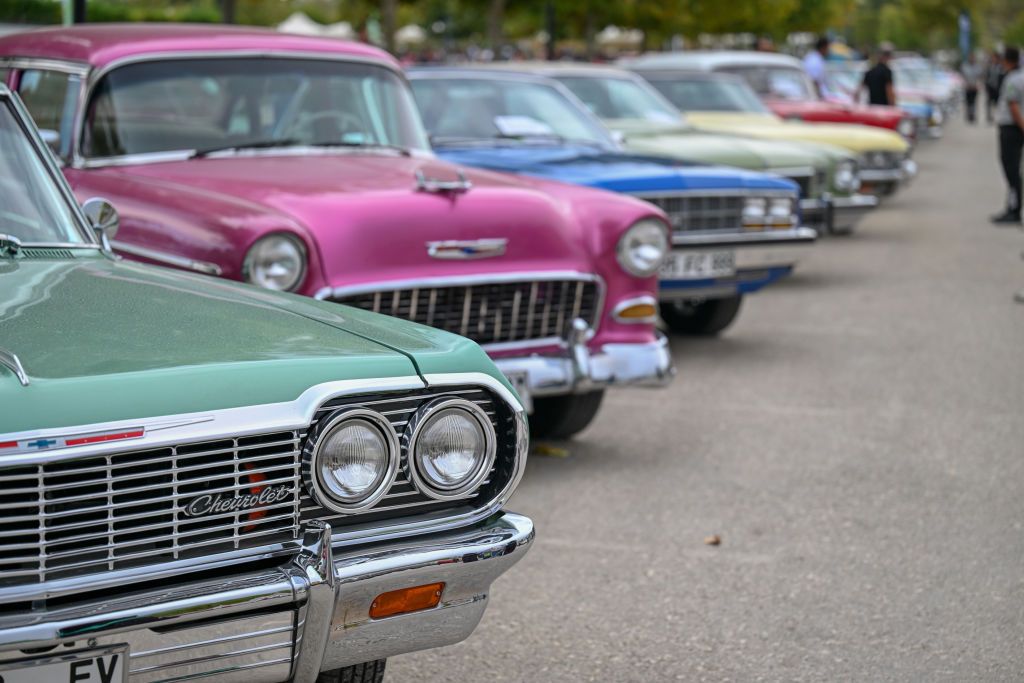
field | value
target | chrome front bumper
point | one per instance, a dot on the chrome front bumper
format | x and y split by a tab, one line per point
579	369
287	623
754	249
838	215
890	177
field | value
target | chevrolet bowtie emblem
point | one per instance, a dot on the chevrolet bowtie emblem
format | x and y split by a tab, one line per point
467	249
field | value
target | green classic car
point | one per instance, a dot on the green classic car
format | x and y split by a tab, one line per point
199	478
828	176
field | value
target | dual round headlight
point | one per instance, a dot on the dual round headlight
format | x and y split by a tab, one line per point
354	458
277	262
847	177
643	247
906	127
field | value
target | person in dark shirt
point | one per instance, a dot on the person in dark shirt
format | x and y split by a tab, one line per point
878	80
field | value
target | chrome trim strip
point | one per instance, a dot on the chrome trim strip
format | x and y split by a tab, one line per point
791	235
168	259
797	171
11	361
261	419
738	192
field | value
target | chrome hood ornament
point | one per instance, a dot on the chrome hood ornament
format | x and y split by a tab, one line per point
425	184
466	250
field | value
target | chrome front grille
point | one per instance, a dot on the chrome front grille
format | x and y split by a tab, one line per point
491	313
87	515
702	213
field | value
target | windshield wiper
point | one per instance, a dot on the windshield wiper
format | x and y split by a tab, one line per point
259	144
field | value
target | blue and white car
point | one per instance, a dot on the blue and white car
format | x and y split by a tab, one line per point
733	231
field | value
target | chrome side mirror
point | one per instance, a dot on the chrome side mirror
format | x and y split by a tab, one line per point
104	220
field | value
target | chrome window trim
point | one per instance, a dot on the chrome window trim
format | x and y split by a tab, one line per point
165	258
78	160
46	64
23	119
260	419
479	279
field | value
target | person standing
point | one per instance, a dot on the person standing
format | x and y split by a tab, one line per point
993	80
971	71
878	80
814	65
1010	119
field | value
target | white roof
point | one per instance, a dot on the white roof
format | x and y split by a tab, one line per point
708	60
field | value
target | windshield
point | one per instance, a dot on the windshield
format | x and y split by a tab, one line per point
707	94
202	104
474	109
32	208
777	82
621	98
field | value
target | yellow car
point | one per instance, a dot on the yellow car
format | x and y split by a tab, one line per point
700	84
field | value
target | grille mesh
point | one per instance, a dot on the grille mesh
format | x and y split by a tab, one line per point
702	213
108	512
491	313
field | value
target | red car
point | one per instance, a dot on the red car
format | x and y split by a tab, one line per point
788	91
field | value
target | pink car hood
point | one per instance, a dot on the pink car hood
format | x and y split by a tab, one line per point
365	221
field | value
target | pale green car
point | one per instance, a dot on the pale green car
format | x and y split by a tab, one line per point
828	175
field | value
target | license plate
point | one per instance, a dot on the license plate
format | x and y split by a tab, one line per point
698	265
92	666
520	381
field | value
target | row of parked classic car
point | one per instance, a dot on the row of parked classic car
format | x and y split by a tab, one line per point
201	478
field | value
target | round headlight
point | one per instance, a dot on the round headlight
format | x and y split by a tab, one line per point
353	461
276	262
780	211
755	211
847	179
643	247
451	448
906	127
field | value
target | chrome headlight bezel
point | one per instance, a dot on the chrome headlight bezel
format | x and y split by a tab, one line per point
907	127
253	263
422	419
321	490
649	234
846	177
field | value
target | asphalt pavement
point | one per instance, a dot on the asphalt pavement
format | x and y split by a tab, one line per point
856	440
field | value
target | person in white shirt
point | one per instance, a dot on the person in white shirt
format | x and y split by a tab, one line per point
814	65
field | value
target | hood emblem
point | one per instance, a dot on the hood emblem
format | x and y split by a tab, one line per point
467	249
208	504
68	441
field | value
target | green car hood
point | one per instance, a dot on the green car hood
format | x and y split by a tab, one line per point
690	144
102	340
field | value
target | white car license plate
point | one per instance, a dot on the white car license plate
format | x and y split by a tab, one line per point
93	666
697	265
520	381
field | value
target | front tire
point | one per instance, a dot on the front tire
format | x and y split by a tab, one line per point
367	672
704	319
560	417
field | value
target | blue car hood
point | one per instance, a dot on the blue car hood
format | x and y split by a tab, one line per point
609	170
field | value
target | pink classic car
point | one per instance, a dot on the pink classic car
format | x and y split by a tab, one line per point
300	164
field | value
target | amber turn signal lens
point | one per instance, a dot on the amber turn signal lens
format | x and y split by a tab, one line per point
406	600
637	312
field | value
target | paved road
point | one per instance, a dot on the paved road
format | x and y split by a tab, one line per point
857	440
